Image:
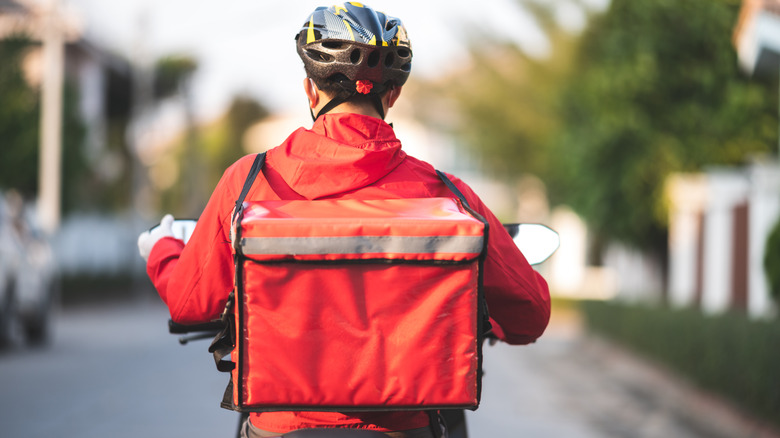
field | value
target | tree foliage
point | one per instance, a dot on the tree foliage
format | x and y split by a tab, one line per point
171	74
221	144
20	127
19	120
657	90
649	88
225	144
501	106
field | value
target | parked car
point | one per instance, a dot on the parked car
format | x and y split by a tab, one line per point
28	277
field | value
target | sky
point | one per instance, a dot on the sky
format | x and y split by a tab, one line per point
246	46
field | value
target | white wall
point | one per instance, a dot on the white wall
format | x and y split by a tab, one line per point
687	196
728	188
714	196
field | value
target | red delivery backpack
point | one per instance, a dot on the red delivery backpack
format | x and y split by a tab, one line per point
355	305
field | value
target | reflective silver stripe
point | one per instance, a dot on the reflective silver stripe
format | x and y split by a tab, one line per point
361	245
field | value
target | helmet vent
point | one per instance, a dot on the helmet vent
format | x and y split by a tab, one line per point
389	59
316	55
332	44
404	53
373	59
354	57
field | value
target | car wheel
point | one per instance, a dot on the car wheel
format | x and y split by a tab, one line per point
38	326
10	323
38	330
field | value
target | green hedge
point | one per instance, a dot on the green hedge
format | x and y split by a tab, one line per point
772	262
727	354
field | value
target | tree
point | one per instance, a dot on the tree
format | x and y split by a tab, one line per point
502	105
172	75
18	120
221	146
657	91
194	163
649	88
20	124
243	113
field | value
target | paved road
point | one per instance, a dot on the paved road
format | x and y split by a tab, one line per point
112	372
115	372
571	385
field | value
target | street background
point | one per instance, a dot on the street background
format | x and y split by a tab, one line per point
113	370
646	133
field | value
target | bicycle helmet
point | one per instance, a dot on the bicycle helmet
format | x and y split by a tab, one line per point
354	50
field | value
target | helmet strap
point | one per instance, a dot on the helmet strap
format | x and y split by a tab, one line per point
375	99
380	108
329	106
349	87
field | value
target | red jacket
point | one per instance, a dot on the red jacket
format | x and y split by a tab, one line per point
342	156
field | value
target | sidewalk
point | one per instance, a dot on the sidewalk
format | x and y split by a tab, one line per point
571	384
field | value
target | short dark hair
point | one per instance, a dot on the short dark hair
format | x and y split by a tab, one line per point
339	86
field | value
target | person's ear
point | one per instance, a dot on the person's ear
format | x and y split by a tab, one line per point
311	92
392	95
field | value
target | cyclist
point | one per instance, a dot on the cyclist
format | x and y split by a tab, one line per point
356	61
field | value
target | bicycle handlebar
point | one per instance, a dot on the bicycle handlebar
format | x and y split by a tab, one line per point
179	329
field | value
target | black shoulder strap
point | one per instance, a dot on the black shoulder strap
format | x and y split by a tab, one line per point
257	166
224	342
450	185
483	314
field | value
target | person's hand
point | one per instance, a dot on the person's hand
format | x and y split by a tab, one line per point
147	239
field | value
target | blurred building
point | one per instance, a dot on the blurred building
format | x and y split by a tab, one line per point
102	83
757	36
101	79
719	224
720	220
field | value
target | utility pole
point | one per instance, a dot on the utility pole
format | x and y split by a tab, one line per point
50	160
142	100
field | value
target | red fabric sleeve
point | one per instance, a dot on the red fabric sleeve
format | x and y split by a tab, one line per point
165	253
195	280
518	297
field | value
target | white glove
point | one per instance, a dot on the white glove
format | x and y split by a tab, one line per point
147	239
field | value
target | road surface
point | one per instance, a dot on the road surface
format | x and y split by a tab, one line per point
114	371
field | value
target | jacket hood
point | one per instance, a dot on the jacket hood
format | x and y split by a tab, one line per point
340	153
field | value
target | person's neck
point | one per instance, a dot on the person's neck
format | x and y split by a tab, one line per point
364	110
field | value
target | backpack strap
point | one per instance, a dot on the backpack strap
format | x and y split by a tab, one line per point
450	185
483	314
224	342
257	166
